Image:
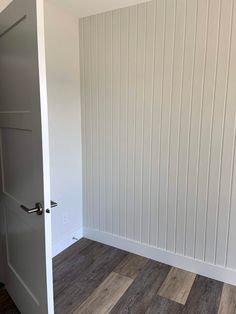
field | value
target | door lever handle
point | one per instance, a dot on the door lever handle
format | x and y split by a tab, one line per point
38	209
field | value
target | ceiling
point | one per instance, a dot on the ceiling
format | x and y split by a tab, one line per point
82	8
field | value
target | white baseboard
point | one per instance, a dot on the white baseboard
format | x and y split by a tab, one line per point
187	263
67	241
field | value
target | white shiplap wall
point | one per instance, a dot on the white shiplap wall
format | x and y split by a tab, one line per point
159	121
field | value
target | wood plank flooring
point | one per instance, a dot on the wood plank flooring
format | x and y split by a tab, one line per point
140	294
228	300
103	299
93	278
177	285
131	265
204	296
86	282
7	306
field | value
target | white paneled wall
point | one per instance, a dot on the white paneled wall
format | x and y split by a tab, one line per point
159	123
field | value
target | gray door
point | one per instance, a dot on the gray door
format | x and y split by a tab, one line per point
25	157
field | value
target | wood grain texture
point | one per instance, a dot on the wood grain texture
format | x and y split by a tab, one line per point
7	306
131	265
66	273
74	250
80	279
228	300
177	285
204	297
139	295
86	282
161	305
103	299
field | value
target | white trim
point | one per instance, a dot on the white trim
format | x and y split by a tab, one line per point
67	241
184	262
45	152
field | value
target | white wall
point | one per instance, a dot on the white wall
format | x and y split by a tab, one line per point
4	4
62	58
158	112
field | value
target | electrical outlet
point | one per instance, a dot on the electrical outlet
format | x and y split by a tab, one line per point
65	218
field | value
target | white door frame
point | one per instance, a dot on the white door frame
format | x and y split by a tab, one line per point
45	144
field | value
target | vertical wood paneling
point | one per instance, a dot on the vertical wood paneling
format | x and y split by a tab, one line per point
196	123
227	163
147	120
94	121
176	103
159	125
182	212
156	118
115	120
102	111
124	52
208	104
166	119
108	120
231	95
139	116
218	129
132	68
87	116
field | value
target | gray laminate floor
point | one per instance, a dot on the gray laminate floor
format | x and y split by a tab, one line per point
91	277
